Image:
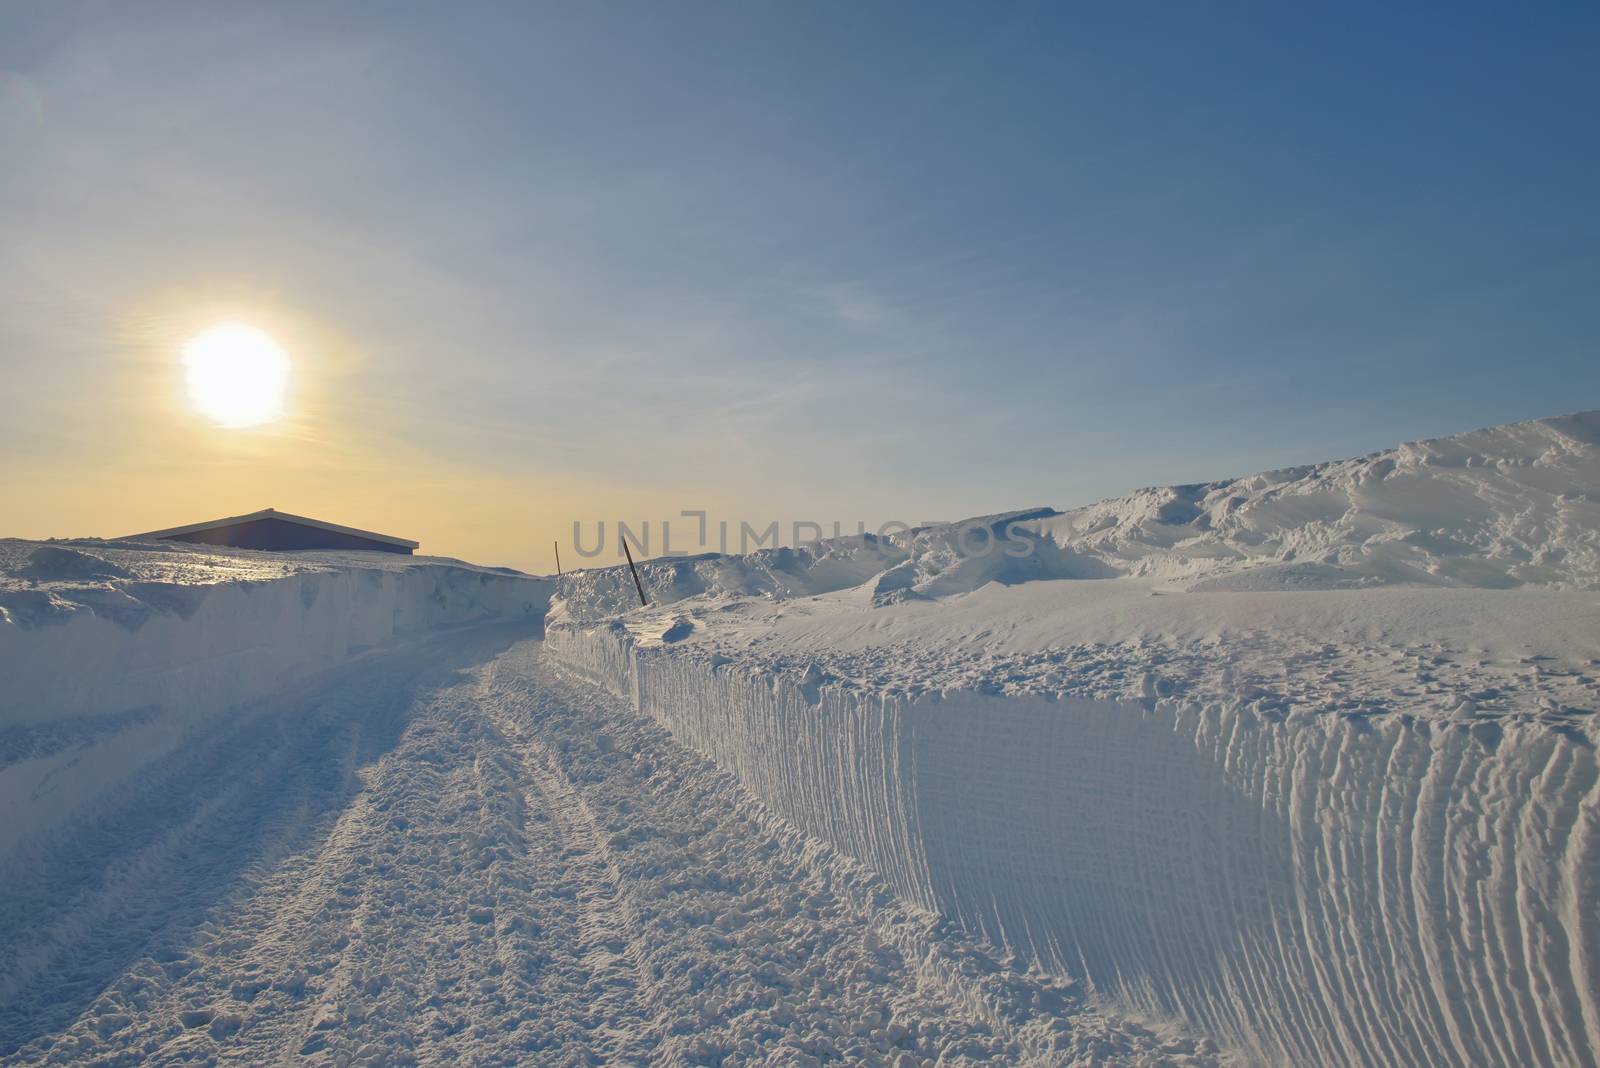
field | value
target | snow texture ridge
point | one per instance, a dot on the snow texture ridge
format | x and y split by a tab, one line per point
1312	890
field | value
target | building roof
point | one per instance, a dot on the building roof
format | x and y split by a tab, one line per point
273	513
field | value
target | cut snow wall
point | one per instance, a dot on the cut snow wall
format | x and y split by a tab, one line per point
86	702
1315	891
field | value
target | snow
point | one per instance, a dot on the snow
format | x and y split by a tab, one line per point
1280	878
113	652
1294	768
453	852
1304	760
1510	506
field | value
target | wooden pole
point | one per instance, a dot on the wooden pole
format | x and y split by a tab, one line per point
557	544
636	583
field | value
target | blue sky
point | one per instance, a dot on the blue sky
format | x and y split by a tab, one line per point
543	262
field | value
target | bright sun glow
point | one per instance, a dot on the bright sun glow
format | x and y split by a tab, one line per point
236	375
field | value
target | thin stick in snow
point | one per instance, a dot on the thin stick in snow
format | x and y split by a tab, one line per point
636	583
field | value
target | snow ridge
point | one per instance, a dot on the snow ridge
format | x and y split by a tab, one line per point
1312	890
107	667
1510	506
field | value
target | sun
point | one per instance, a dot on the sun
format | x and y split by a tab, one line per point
236	375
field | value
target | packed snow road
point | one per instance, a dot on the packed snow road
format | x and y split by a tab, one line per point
458	853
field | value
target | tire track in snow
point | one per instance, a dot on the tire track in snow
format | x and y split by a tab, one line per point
610	947
122	886
611	758
461	855
467	935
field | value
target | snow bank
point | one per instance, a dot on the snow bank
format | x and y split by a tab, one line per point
1305	759
1514	505
1506	507
1315	890
111	655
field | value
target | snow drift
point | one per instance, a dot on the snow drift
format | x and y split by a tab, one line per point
111	653
1506	507
1305	759
1312	890
1509	506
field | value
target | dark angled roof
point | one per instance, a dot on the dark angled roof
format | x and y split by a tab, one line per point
273	513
